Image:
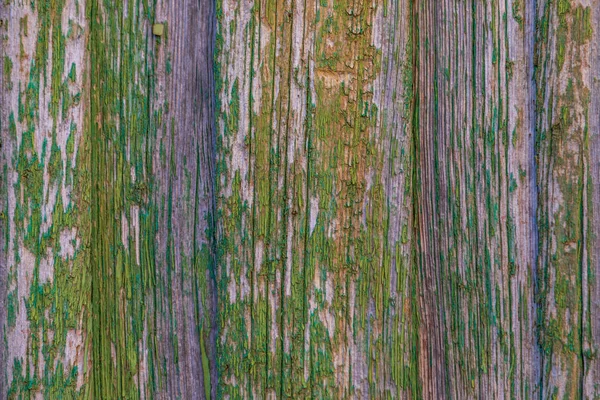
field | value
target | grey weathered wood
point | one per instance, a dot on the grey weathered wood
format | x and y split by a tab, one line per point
184	175
591	300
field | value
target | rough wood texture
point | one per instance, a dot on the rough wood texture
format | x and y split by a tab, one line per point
568	264
109	156
591	298
476	201
300	199
152	198
46	246
314	300
183	170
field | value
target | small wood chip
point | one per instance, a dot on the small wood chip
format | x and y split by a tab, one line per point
158	29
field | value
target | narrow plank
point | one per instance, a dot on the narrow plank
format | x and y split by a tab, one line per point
45	200
567	252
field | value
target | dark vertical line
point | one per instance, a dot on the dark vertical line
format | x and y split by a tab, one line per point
210	136
95	315
531	23
153	355
212	117
149	167
415	188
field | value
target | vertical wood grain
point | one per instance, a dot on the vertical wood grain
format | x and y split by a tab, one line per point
299	198
45	256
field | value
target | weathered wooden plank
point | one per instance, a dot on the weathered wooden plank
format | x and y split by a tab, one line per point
590	278
475	203
306	302
46	242
183	166
396	361
568	289
121	179
152	167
